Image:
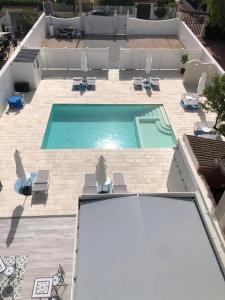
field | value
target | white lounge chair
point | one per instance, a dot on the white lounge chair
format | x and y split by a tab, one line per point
89	184
138	83
155	83
91	82
76	83
119	185
42	182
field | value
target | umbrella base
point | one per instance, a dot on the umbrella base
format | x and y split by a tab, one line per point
26	190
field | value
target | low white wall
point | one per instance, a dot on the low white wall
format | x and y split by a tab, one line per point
6	86
36	35
162	59
70	58
190	41
187	37
159	27
27	74
60	22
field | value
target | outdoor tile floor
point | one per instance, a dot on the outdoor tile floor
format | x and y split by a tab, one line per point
44	243
170	42
146	170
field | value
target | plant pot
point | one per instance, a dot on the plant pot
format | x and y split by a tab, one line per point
182	70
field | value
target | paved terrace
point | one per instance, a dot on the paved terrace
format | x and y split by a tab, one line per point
47	242
146	170
115	43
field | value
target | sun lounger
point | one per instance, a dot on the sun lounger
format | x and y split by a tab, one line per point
90	179
76	83
138	83
119	185
155	83
42	181
89	184
190	102
91	82
119	189
204	127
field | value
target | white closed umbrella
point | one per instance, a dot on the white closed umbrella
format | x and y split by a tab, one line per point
148	65
84	66
20	172
100	172
201	84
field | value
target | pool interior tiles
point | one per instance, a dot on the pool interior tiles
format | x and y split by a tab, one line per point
77	126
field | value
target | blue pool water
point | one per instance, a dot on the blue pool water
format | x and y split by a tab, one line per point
105	126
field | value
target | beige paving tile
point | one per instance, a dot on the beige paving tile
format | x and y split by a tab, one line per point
146	170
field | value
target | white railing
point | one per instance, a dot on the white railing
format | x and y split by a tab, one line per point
70	58
119	10
162	59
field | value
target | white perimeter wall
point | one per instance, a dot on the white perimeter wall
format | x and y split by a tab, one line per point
60	22
36	35
164	27
32	40
91	24
70	58
162	59
190	41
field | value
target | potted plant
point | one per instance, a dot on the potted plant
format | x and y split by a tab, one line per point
184	59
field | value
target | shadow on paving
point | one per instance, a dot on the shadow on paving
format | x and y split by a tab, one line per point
16	215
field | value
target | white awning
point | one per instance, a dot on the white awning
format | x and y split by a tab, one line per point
145	248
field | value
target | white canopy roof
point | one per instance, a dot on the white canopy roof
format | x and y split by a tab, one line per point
145	248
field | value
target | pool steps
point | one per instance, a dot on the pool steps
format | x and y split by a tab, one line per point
157	116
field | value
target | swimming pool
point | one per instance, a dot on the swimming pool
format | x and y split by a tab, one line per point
83	126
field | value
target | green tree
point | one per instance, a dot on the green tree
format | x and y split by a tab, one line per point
216	9
215	101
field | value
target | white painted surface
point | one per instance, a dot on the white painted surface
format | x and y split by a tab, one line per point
6	87
29	74
165	27
36	35
60	22
162	59
187	37
145	248
190	41
70	58
220	212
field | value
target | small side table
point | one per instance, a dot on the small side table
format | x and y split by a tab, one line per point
42	288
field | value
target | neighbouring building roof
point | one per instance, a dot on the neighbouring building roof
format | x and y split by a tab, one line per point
27	55
206	151
145	247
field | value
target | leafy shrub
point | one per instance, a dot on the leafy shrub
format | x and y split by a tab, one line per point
160	12
212	32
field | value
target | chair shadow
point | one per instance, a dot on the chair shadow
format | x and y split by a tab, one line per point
15	111
16	215
39	199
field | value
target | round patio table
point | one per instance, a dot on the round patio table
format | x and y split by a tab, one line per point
15	101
